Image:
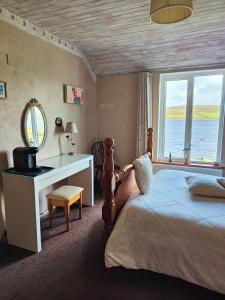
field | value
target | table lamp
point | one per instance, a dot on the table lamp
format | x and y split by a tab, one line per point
71	128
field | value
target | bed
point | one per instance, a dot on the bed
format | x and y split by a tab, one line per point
170	230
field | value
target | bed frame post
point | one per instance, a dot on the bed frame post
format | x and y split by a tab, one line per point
113	204
108	186
150	143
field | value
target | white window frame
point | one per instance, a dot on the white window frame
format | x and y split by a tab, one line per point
189	76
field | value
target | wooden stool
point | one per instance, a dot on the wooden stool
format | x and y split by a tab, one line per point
65	196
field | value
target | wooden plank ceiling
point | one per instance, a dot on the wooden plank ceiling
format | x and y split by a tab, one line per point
118	37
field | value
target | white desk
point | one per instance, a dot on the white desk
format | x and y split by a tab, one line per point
21	194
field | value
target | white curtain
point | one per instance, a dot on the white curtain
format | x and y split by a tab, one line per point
144	116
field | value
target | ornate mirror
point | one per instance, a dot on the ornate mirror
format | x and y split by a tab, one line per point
34	125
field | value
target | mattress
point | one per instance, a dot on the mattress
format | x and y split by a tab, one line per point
172	231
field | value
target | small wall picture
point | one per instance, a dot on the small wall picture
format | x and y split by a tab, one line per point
73	94
3	94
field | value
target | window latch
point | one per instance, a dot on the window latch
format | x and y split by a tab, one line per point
187	148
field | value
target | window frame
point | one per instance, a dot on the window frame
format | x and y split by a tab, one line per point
190	77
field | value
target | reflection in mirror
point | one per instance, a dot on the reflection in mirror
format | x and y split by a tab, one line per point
34	124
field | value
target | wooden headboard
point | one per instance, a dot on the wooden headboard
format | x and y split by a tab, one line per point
124	178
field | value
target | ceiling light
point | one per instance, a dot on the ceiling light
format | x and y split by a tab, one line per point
170	11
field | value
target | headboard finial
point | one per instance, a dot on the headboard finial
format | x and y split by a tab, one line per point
150	131
149	142
108	185
108	161
109	142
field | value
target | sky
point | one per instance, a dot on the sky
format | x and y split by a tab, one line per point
207	91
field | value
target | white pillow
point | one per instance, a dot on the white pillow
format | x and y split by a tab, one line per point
143	173
205	186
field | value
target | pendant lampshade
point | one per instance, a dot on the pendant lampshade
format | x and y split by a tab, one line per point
170	11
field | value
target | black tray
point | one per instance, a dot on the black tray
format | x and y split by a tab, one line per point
30	173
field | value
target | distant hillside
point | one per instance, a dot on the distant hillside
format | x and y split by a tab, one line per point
200	112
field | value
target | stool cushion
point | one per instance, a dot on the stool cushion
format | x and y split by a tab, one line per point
65	192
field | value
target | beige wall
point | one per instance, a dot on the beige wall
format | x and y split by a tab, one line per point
119	121
117	113
34	68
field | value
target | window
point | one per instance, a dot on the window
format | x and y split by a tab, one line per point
191	116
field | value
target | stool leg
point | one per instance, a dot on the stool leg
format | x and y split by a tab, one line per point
80	206
50	212
67	215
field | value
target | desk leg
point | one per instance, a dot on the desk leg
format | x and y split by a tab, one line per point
85	179
22	213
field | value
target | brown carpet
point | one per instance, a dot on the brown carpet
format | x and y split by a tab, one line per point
71	267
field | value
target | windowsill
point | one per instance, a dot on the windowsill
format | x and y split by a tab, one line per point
197	165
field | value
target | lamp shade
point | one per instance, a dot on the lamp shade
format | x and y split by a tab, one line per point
170	11
71	127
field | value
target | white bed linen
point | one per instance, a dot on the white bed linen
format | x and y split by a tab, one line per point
172	231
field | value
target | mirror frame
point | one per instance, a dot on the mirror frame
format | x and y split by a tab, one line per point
33	103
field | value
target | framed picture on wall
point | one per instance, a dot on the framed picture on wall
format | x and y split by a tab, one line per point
3	94
73	94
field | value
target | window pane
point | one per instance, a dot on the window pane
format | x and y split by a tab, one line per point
30	130
206	116
176	101
40	126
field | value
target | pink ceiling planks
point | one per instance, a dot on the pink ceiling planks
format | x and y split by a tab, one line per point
117	36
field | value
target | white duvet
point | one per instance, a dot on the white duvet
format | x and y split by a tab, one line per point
171	231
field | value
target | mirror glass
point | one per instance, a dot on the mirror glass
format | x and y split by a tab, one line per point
35	125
